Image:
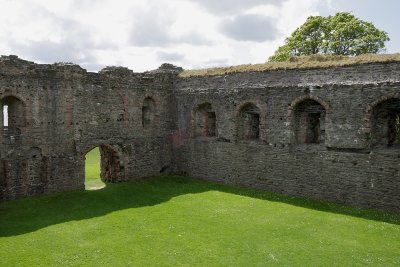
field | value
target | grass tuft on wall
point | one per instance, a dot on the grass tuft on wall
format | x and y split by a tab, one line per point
301	62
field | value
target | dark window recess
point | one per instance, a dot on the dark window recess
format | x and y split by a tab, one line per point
313	135
385	124
249	123
394	130
205	121
210	124
13	115
309	122
148	112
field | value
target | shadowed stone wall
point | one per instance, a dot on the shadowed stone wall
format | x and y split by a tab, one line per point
331	134
316	132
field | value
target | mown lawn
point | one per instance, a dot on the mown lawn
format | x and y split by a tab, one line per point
176	221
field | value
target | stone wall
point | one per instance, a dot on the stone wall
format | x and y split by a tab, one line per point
67	112
331	133
341	164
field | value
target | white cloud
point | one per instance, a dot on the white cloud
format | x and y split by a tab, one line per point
232	6
170	56
249	27
143	34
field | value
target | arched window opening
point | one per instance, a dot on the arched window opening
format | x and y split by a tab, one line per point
386	124
148	112
249	122
5	115
205	121
13	111
309	122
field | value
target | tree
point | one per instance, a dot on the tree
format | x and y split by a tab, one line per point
341	34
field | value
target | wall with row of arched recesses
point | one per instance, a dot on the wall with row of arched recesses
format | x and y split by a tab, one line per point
308	117
13	114
60	165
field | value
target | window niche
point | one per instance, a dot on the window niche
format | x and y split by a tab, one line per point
249	122
148	112
386	124
309	122
205	121
13	114
5	116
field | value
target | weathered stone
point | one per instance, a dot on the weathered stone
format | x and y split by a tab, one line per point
329	133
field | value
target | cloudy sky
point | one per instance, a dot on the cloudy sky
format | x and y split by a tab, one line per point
141	35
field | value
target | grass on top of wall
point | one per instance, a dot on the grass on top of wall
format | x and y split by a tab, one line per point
176	221
301	62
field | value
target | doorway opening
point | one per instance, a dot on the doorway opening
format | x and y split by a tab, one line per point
93	179
103	165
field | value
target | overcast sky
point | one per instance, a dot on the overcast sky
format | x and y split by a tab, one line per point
141	35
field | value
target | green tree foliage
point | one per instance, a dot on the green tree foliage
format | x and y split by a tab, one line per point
341	34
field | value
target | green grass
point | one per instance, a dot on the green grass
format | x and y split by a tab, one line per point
92	170
301	62
176	221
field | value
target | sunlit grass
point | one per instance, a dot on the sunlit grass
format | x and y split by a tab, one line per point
176	221
92	170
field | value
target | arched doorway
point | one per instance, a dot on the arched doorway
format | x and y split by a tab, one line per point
92	170
102	165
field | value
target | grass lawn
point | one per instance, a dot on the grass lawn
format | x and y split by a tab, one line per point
176	221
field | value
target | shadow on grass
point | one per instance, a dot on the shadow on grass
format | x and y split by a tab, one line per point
30	214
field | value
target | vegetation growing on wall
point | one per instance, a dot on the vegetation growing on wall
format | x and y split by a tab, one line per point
298	62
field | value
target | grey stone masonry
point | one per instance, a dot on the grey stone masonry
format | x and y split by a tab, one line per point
323	133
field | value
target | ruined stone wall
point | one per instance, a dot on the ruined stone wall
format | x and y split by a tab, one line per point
331	134
67	112
341	165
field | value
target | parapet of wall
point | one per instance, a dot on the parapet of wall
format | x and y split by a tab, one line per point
328	133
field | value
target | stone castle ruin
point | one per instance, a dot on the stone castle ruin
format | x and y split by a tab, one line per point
329	133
